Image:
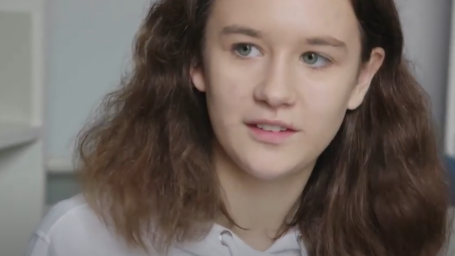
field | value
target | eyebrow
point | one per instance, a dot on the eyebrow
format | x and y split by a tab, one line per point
236	29
326	41
316	41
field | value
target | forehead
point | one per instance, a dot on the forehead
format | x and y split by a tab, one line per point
288	19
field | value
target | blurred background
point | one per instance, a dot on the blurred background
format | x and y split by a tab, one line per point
59	57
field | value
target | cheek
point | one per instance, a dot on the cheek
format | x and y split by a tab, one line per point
226	99
329	92
326	104
229	90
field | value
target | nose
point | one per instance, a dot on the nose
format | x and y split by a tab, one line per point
276	89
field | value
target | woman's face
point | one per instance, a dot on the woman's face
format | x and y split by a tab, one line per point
279	76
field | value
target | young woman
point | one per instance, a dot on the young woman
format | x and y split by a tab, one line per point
259	127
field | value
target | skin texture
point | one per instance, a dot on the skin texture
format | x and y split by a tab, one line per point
293	61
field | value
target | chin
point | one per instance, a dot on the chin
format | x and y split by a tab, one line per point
267	165
267	172
265	176
263	163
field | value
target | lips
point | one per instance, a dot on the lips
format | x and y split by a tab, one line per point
270	132
271	128
272	125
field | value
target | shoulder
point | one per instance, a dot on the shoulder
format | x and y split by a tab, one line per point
64	214
72	228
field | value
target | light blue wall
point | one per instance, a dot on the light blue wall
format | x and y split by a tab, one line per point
426	27
88	49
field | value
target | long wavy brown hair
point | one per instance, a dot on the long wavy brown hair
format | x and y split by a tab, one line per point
379	189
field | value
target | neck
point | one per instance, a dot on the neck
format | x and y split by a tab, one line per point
254	204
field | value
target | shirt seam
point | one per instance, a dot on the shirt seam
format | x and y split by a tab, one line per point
43	236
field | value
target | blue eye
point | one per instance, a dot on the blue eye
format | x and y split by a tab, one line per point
246	50
315	60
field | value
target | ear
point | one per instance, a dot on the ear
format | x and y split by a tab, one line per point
365	76
197	77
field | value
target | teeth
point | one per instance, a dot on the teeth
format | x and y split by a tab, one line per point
270	128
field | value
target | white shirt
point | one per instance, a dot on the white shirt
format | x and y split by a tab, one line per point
71	228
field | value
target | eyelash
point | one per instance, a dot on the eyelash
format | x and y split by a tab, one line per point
236	46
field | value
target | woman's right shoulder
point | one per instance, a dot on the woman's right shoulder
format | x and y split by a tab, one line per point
72	228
